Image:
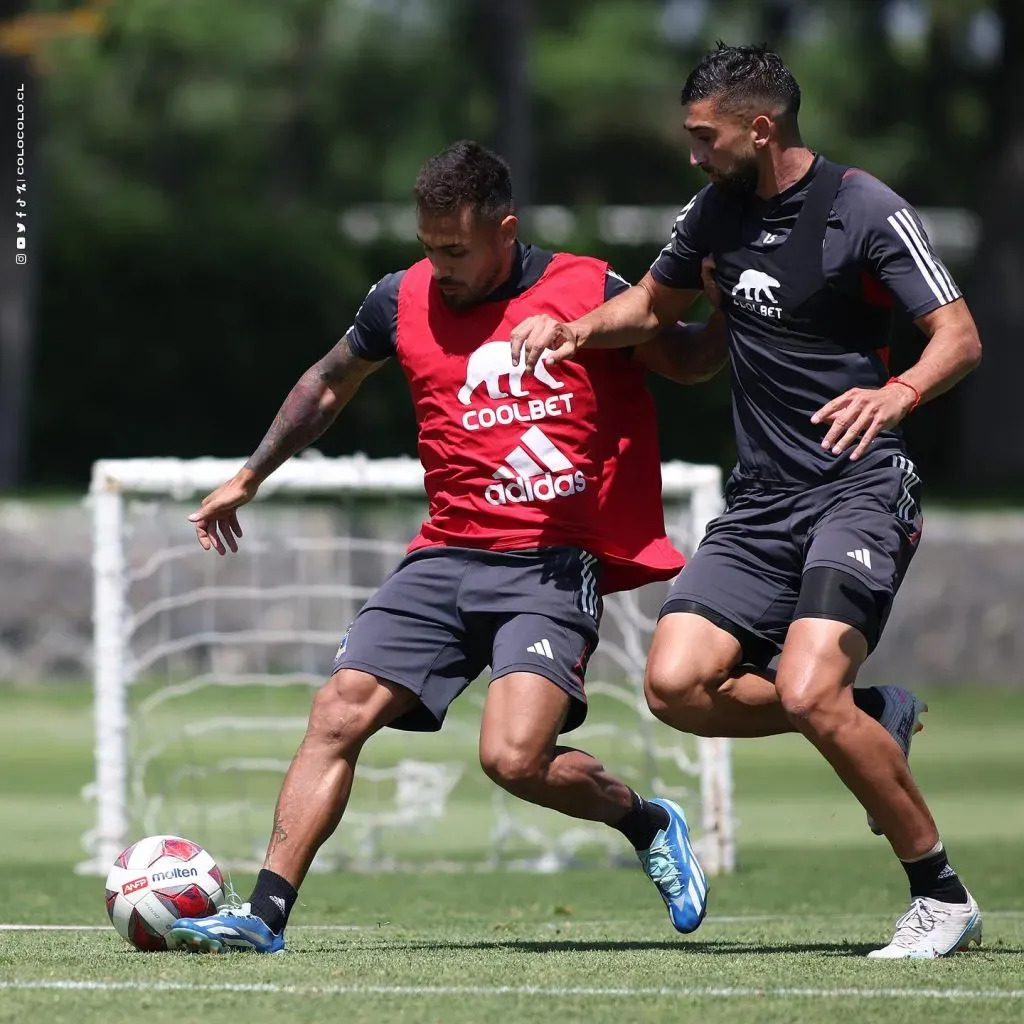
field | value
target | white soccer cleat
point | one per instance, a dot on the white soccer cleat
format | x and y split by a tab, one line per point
930	929
901	719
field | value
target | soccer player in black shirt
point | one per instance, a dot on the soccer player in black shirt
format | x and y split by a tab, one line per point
822	510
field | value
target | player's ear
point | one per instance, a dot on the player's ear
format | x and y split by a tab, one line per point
508	230
761	130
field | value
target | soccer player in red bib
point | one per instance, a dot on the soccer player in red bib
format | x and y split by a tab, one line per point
544	493
823	512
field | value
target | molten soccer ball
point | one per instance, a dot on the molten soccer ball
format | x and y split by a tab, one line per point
156	881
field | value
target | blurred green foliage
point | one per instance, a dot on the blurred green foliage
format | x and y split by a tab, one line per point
198	156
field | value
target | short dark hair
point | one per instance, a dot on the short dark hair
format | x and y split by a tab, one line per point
743	76
465	174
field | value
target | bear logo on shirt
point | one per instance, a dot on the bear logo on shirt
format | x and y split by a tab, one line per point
756	286
755	291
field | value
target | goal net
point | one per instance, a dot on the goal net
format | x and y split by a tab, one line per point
205	668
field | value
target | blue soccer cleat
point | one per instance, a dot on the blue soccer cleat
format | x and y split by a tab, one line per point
672	866
233	928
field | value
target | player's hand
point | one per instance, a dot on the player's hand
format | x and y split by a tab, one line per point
216	519
710	281
543	337
862	413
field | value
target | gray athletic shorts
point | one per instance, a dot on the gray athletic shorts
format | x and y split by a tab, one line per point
836	551
447	613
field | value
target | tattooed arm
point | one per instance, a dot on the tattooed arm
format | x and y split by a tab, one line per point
310	408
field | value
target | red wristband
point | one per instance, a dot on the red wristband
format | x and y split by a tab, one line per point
906	384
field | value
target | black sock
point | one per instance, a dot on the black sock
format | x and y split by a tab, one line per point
642	822
272	900
933	877
869	700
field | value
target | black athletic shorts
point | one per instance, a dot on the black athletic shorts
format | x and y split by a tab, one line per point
837	551
447	613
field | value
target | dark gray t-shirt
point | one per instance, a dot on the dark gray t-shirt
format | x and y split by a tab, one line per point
875	255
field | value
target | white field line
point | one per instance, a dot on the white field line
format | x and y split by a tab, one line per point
689	992
107	927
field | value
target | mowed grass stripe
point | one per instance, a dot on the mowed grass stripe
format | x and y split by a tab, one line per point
722	919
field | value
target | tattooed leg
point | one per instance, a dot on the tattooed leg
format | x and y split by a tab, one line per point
280	835
346	712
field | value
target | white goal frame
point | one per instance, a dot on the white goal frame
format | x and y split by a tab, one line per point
114	480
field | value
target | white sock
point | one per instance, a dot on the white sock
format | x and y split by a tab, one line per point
937	848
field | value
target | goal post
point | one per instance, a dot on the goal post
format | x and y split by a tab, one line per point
204	668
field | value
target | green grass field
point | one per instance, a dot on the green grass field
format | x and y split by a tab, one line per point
784	939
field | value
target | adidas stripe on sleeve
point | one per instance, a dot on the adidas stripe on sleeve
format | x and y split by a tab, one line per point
911	233
896	246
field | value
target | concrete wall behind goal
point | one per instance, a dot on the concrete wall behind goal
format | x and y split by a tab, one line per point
957	619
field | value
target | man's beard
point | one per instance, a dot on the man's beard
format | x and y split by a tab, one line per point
742	180
458	301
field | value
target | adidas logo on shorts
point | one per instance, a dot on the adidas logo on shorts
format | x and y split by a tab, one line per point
861	555
543	648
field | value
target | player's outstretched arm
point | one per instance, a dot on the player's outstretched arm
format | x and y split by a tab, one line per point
953	350
687	353
631	318
310	408
691	353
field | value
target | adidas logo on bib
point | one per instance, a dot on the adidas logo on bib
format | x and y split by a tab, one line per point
535	470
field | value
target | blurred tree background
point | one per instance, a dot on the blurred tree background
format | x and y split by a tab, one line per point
196	157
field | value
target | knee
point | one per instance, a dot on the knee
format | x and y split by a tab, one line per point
513	768
812	709
342	716
689	661
819	664
681	694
